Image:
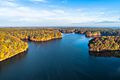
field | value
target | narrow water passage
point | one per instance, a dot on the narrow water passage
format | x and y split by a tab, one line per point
62	59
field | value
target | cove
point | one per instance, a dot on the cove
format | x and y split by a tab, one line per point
62	59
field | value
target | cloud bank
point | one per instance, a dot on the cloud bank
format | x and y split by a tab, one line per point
13	13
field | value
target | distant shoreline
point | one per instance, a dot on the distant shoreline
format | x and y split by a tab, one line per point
118	27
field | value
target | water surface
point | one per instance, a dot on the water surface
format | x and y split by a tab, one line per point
62	59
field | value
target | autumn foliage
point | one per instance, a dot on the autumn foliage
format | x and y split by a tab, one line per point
12	40
10	46
105	43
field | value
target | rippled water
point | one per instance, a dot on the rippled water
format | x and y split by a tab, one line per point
62	59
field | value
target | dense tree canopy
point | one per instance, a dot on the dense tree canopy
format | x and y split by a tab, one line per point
11	39
10	46
105	43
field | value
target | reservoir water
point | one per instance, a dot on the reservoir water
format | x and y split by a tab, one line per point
63	59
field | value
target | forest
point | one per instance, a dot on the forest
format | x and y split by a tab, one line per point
92	32
105	43
10	46
13	40
103	39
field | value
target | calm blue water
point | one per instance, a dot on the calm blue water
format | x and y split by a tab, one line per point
63	59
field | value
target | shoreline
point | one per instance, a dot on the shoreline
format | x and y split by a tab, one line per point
26	48
11	43
107	53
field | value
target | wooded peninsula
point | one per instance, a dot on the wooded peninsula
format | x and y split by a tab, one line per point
14	40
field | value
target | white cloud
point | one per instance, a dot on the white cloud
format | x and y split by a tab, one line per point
12	13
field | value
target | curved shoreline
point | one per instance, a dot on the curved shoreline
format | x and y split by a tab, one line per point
44	35
17	45
105	53
24	50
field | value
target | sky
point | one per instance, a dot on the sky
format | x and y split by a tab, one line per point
83	13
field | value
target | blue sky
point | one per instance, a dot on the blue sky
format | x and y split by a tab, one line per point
99	13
